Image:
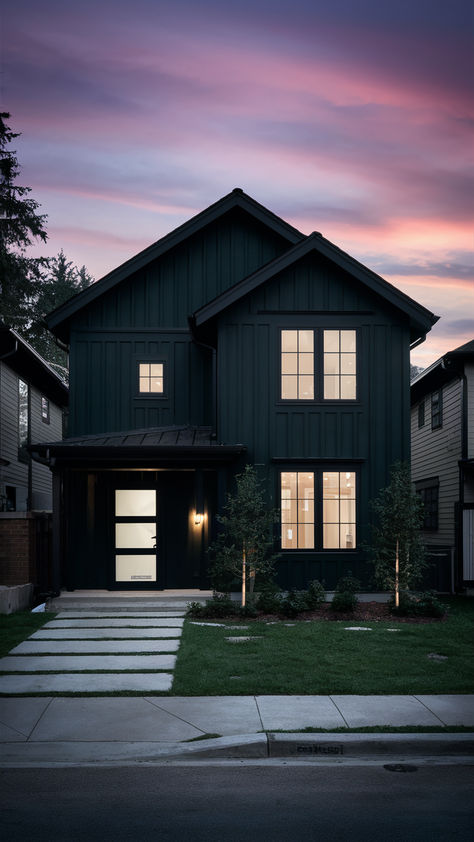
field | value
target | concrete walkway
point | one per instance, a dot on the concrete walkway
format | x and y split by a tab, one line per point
94	652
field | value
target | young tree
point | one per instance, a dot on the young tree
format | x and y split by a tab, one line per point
243	549
20	225
397	546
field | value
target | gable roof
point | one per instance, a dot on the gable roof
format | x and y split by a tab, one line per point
421	319
28	364
449	366
58	320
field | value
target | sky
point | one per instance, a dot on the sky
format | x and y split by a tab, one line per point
349	117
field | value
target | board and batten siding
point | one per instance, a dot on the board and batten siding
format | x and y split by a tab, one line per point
469	374
435	453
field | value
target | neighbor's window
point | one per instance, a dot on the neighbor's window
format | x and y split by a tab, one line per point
428	490
421	414
45	410
436	409
339	510
151	378
340	365
297	510
297	365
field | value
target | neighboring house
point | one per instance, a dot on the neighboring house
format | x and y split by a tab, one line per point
32	402
235	339
442	435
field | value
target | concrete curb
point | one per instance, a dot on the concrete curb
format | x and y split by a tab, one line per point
328	747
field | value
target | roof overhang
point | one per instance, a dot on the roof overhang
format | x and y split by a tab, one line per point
28	364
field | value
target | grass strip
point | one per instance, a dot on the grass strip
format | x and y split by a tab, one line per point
14	628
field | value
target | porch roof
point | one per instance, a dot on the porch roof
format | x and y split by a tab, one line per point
153	445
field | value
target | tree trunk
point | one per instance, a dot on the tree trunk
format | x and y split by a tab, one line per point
244	561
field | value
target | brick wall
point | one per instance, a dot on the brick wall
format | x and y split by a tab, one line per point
17	549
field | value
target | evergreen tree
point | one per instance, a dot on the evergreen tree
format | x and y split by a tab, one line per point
20	226
243	549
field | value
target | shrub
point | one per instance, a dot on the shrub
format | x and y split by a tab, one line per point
316	594
425	604
344	601
294	603
348	584
220	605
270	598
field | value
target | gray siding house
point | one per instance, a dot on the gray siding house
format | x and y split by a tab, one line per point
32	403
442	438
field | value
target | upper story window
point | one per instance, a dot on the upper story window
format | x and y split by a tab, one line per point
437	409
428	490
318	510
329	375
297	365
45	410
339	364
151	378
421	414
23	419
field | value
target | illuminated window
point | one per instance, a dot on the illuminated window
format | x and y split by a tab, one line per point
23	420
339	510
297	365
340	365
318	510
297	510
151	378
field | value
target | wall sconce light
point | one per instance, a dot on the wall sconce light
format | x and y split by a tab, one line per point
198	519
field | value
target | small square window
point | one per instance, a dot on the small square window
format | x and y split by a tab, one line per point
151	378
45	410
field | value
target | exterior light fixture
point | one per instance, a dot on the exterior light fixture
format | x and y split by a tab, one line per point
198	519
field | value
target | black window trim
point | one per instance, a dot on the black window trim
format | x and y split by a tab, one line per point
318	373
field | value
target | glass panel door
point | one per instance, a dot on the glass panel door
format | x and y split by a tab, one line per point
135	535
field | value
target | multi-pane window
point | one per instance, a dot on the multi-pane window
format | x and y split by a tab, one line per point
436	410
339	510
297	510
421	414
340	365
428	490
297	364
45	410
151	378
318	510
319	364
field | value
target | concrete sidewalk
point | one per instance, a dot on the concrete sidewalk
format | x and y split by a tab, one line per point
75	730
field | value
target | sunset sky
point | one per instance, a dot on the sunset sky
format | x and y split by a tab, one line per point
349	117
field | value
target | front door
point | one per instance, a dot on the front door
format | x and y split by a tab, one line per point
136	533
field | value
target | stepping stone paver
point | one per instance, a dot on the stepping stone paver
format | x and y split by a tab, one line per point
116	634
86	683
172	622
79	647
76	663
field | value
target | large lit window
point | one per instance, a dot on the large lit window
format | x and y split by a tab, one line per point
297	510
340	365
339	510
297	365
151	378
318	510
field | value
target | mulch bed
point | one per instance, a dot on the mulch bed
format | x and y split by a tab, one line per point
363	612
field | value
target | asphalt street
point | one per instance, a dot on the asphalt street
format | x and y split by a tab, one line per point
215	802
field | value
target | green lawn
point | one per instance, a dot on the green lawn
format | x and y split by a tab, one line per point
18	626
294	657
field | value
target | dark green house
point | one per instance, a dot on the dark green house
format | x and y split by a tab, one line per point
235	339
